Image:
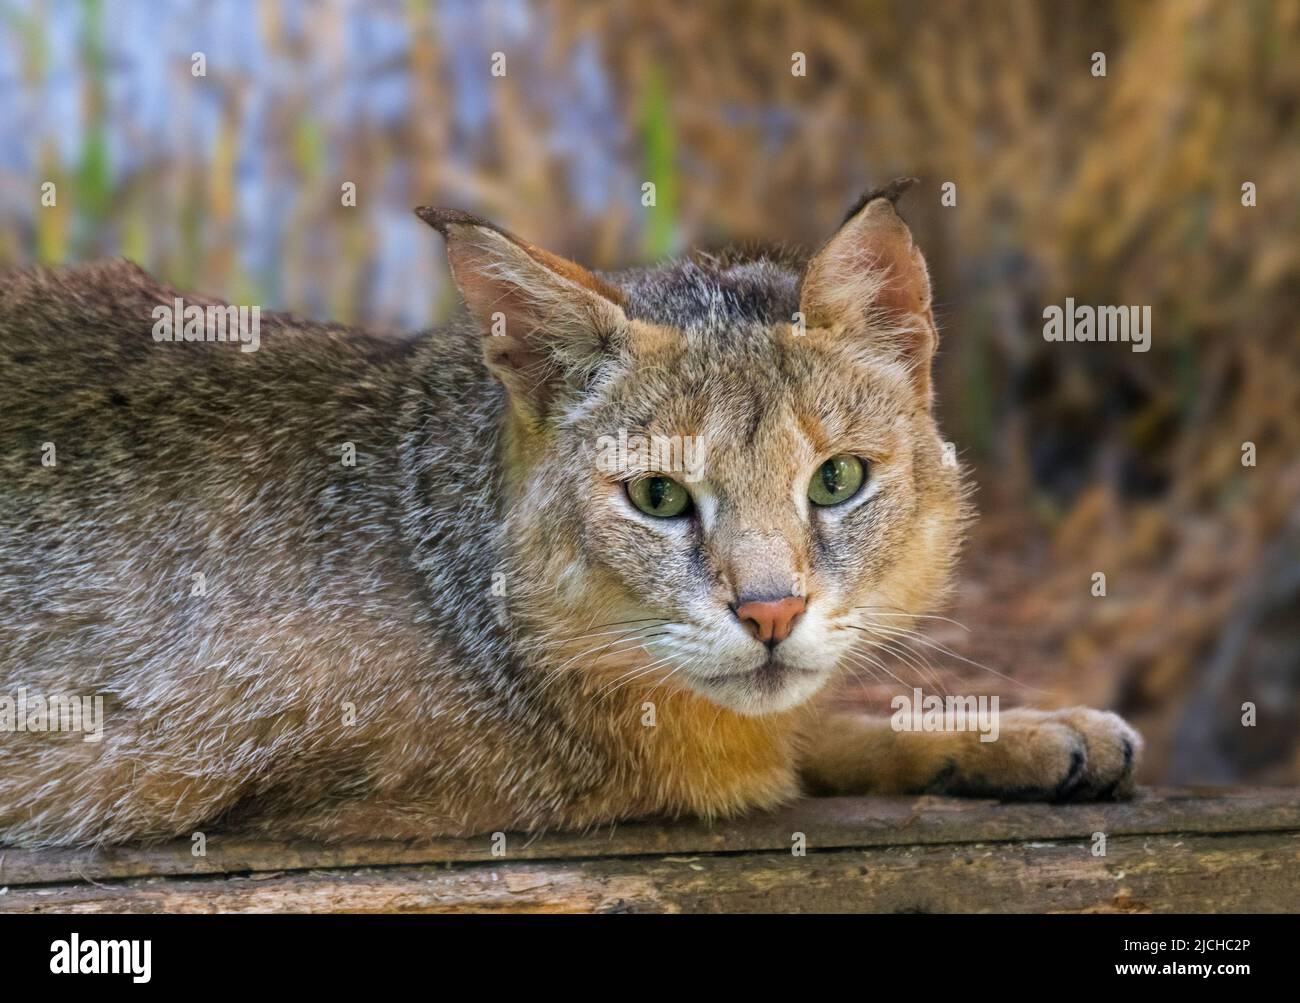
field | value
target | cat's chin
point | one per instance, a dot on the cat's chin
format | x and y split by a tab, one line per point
769	689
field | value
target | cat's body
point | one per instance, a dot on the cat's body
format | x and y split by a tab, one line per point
464	629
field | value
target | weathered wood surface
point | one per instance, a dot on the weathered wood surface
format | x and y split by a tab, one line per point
1168	850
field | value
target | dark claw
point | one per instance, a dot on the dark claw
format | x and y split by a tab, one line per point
940	783
1071	781
1109	793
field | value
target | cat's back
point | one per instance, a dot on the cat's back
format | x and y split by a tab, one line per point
130	464
96	361
70	334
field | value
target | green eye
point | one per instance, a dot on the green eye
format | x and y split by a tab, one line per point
837	480
659	496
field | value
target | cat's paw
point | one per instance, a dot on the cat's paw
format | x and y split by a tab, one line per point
1078	754
1110	754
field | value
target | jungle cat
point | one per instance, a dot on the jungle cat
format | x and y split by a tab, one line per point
348	586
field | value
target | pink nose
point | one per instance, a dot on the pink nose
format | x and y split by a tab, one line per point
771	620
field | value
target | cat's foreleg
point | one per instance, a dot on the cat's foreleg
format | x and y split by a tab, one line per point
1066	755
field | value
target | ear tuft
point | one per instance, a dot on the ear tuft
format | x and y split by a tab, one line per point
442	219
893	191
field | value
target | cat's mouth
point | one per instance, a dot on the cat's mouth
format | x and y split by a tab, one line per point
774	670
771	672
773	685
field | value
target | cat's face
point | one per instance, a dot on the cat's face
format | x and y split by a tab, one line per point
718	474
802	475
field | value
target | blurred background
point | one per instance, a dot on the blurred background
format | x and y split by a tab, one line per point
1122	189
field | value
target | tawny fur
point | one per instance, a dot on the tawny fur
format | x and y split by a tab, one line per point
455	634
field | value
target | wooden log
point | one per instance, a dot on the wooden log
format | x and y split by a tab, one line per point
826	822
1254	872
1195	850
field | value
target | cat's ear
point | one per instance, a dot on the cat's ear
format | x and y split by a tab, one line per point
546	321
870	280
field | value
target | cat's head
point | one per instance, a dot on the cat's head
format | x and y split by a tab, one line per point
720	470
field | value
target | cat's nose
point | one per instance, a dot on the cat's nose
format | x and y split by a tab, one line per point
770	620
